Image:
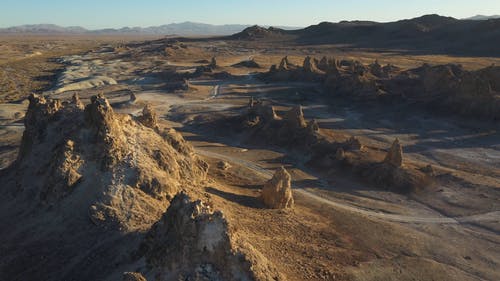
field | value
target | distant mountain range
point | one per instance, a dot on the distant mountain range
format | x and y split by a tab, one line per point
482	17
184	29
429	34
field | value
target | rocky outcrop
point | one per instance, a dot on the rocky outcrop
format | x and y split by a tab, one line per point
175	139
310	66
75	101
353	143
394	156
264	112
223	165
105	131
295	118
284	64
313	126
277	192
63	145
38	116
133	276
213	63
132	98
149	117
193	241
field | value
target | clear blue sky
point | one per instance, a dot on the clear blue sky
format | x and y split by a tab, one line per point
117	13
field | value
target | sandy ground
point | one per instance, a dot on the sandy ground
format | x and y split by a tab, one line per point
341	228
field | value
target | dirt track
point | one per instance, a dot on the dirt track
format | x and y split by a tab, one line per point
487	217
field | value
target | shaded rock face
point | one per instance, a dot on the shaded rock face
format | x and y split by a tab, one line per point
40	113
64	173
395	155
194	242
105	129
277	192
149	117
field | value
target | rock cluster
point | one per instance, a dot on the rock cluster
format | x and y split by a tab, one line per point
259	109
277	192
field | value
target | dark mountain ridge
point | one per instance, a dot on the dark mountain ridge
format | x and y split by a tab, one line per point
428	34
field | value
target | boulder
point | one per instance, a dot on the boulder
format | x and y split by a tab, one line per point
223	165
277	192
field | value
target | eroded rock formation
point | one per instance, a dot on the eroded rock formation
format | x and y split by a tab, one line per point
395	154
277	192
193	241
62	145
295	118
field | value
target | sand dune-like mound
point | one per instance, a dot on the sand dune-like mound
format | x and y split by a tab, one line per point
88	83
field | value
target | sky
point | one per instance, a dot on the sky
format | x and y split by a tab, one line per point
96	14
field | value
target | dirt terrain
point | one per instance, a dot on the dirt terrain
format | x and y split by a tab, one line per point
341	227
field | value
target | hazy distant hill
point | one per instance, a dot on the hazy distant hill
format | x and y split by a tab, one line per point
482	17
430	33
185	28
